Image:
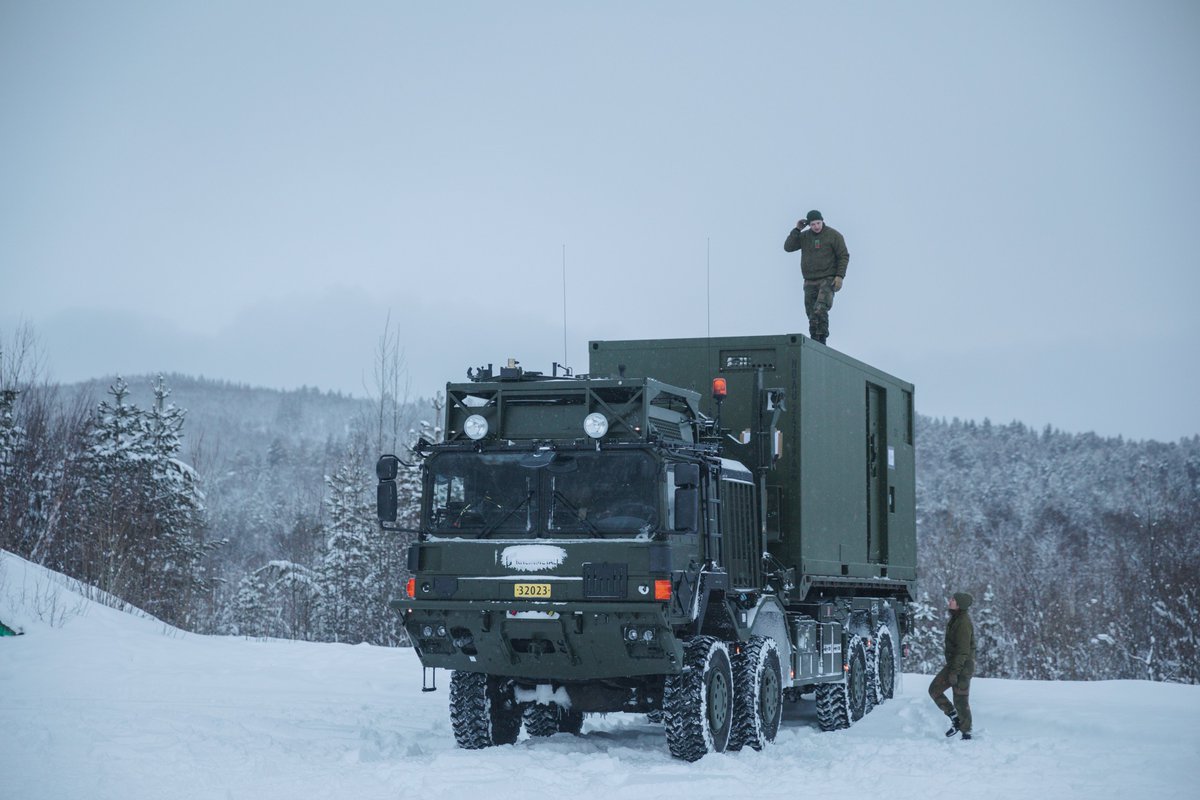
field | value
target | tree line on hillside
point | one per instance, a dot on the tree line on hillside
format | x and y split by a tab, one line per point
1082	552
312	561
271	532
103	496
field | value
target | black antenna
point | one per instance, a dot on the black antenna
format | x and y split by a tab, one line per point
708	305
564	282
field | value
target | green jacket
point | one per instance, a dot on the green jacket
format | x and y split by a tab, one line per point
960	643
821	256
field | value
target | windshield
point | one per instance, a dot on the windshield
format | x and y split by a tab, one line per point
480	492
543	493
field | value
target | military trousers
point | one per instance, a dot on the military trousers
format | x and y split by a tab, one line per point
961	693
818	299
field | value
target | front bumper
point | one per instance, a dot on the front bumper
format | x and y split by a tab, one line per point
543	641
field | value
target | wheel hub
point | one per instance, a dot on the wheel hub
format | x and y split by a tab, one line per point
718	701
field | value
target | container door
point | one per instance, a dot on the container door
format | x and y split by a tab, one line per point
876	474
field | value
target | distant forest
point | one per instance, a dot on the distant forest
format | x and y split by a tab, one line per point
228	509
1082	552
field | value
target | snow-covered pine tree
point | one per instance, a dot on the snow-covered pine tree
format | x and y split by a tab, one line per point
139	510
178	513
347	594
13	488
114	509
294	591
926	638
11	434
251	612
993	645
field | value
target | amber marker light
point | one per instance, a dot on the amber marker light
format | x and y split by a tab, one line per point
662	589
411	589
720	388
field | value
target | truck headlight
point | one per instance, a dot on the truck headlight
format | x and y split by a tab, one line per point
595	425
476	427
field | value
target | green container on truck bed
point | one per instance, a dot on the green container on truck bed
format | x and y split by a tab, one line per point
841	490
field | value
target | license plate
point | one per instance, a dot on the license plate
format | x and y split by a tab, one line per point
531	590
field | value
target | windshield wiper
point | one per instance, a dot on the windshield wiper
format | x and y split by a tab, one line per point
490	528
560	498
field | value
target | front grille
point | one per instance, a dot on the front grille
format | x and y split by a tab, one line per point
668	431
605	581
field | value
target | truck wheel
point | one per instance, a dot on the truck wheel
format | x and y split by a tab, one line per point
482	711
883	683
843	703
698	701
758	694
547	720
856	679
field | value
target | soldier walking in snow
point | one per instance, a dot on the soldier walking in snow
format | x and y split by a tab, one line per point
960	666
823	260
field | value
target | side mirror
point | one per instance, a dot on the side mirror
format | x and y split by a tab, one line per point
387	468
687	510
387	501
687	474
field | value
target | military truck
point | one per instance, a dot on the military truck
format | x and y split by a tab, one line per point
697	530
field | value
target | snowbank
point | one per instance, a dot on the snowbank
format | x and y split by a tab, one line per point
97	703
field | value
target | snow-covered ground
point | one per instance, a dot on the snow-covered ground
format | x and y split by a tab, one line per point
97	703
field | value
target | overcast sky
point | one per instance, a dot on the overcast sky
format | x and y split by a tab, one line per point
244	190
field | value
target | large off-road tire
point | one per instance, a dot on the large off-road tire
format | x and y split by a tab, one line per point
549	719
698	702
882	683
841	704
758	694
482	711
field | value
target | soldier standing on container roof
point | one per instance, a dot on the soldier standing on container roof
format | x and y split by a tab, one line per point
823	260
960	666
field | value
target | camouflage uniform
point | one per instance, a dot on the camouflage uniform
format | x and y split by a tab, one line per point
823	257
818	299
960	666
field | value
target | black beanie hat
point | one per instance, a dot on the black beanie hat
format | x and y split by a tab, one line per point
814	215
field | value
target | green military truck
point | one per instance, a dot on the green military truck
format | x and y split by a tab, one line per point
696	530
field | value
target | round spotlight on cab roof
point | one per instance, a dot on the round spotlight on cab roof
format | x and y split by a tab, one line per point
595	425
476	427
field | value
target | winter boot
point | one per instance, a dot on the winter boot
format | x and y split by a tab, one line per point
953	725
966	737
